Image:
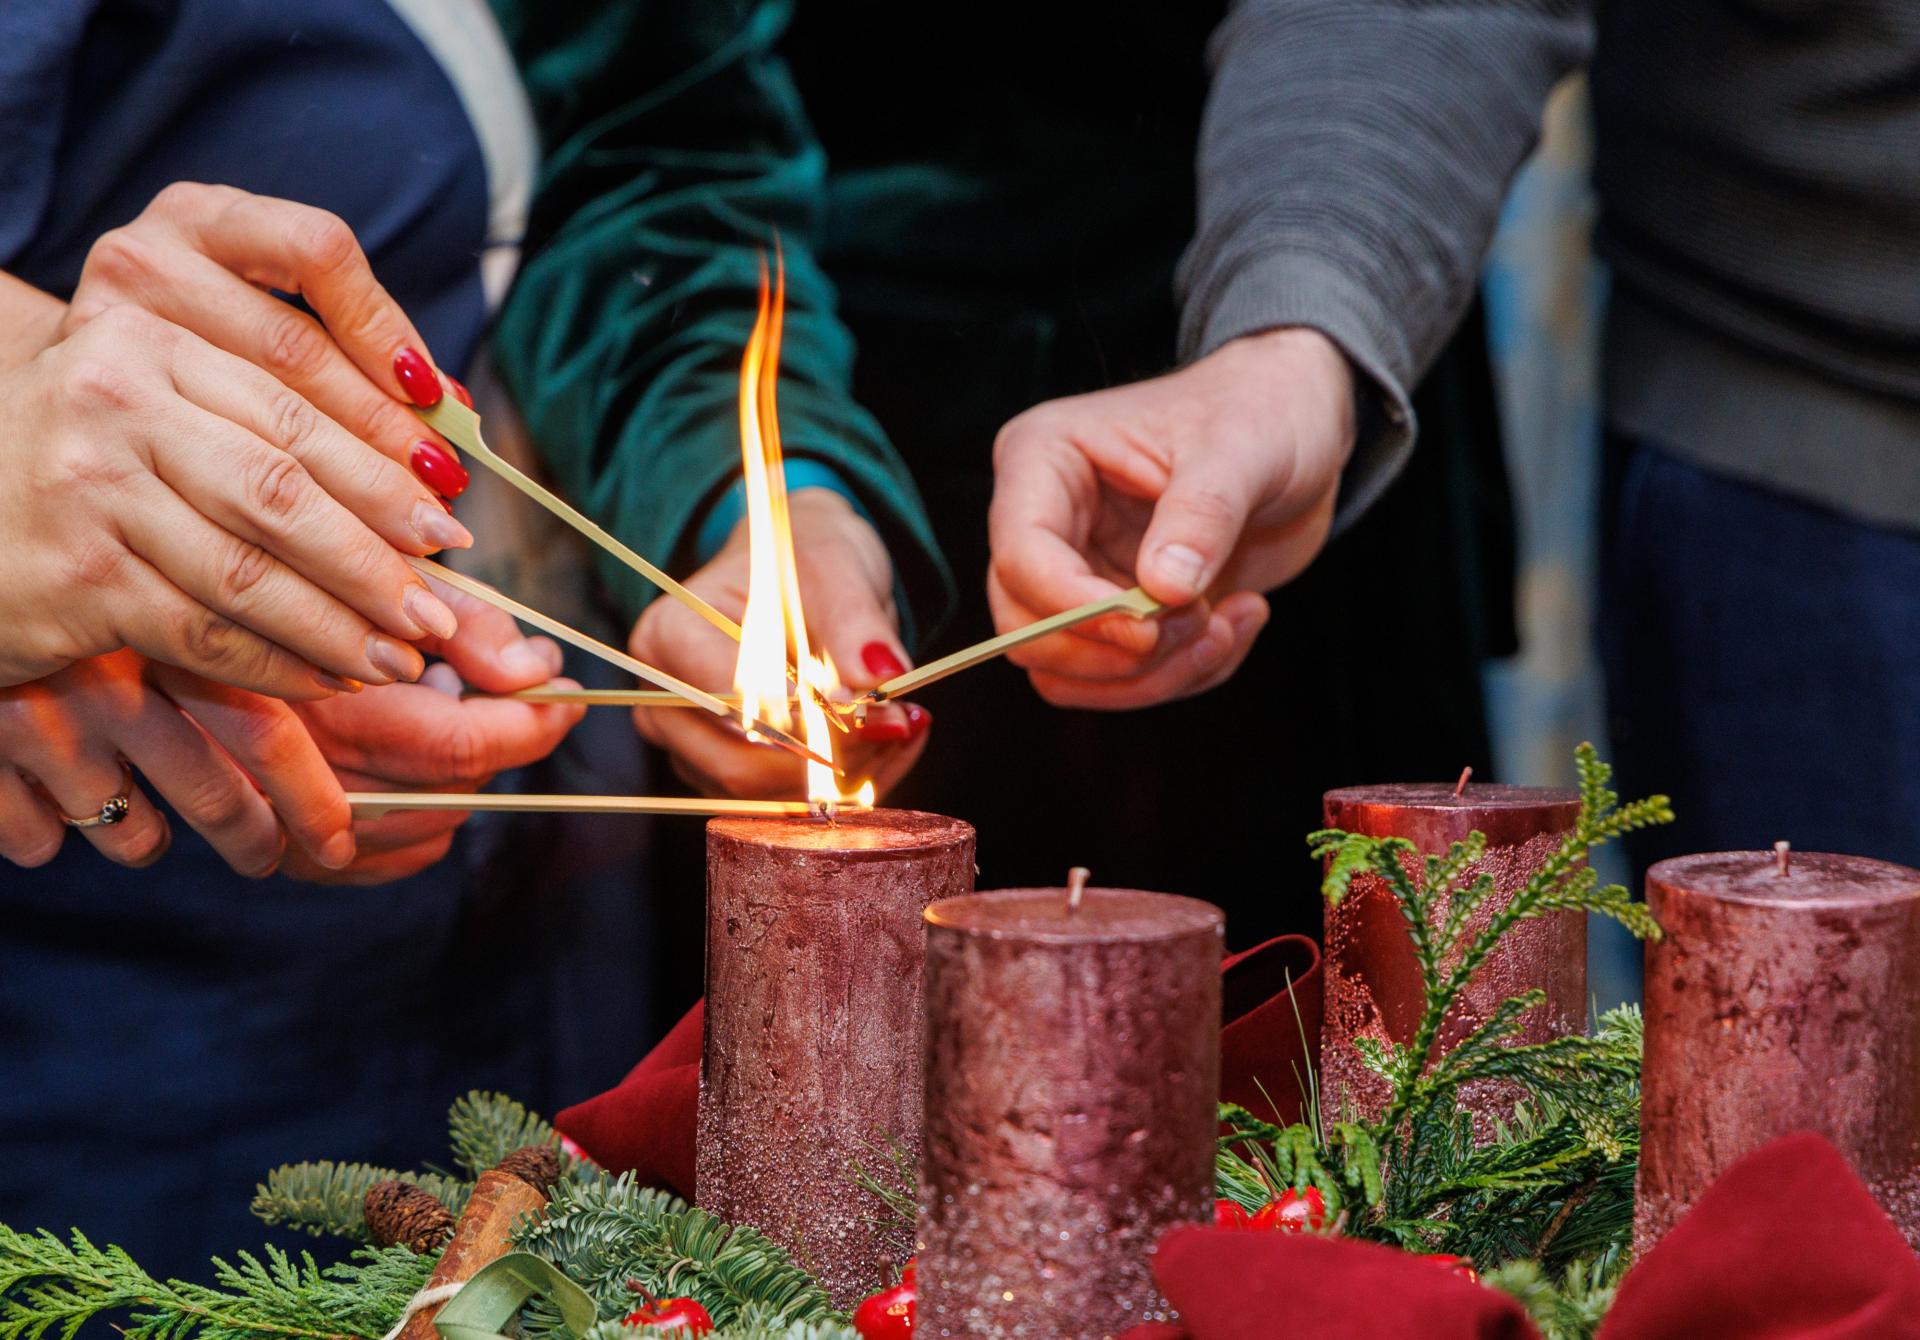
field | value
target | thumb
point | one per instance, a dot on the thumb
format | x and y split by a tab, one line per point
1195	526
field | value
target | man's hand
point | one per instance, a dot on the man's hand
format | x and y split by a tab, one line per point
846	585
425	737
1208	486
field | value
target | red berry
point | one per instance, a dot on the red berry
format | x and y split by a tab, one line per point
671	1314
1459	1265
1294	1212
888	1315
1228	1214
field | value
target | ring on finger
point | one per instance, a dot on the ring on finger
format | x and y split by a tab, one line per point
114	809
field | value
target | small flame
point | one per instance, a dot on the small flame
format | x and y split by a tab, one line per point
773	631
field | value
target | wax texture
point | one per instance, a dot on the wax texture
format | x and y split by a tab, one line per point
810	1060
1373	987
1777	1004
1072	1075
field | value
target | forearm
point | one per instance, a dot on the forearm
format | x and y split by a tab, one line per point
1352	166
29	320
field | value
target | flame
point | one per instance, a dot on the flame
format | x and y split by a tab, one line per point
773	631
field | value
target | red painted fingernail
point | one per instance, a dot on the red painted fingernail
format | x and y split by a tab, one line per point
438	469
918	719
416	378
879	659
886	730
460	392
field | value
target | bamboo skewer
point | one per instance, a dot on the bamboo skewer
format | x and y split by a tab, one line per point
373	804
1135	602
547	624
461	426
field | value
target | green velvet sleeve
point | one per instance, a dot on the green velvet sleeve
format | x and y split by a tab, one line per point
675	148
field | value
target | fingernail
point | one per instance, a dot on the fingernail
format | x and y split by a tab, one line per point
556	659
886	729
428	612
880	660
415	375
338	851
918	719
438	468
338	683
529	659
394	658
437	528
1182	565
460	392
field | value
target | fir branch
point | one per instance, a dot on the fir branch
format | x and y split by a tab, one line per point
1570	1309
604	1234
484	1128
50	1288
327	1199
892	1180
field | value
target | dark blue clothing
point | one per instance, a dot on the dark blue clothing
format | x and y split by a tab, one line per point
1762	661
167	1035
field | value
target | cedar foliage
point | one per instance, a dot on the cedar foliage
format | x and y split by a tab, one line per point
1553	1190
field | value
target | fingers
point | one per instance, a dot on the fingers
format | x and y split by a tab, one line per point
298	249
1197	523
237	580
78	781
416	737
489	651
30	831
374	498
1202	664
267	752
1046	502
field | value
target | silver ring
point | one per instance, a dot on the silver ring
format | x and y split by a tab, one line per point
113	809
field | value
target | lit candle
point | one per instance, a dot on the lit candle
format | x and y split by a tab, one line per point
1373	987
811	1061
1784	996
1072	1073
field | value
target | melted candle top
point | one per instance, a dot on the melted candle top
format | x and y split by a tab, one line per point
1812	877
1104	915
862	830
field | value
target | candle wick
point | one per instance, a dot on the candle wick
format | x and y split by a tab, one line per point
1782	857
1460	787
1077	886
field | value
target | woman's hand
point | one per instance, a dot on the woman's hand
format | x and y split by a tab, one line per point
1209	487
425	737
846	586
168	486
238	767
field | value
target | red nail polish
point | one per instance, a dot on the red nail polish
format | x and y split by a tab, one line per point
460	393
918	719
879	659
438	468
886	730
416	377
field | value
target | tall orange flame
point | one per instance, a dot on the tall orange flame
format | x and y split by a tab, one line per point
773	631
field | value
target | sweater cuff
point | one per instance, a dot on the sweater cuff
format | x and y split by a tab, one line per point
725	513
1275	288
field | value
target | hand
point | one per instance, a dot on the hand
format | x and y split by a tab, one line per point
1208	486
425	737
165	494
238	767
846	585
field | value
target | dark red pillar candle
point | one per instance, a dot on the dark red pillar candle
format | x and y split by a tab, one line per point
1778	1003
811	1058
1373	985
1072	1070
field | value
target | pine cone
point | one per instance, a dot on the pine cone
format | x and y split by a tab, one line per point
539	1166
401	1214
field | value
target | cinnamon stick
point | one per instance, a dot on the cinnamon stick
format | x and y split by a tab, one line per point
499	1198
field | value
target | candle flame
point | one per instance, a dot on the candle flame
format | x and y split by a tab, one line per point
773	631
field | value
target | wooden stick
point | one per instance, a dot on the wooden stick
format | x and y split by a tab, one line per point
1135	602
459	581
837	713
373	804
461	426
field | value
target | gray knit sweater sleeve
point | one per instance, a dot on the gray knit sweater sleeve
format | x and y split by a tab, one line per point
1351	168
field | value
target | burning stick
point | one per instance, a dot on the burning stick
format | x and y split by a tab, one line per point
373	804
547	624
1135	602
461	426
